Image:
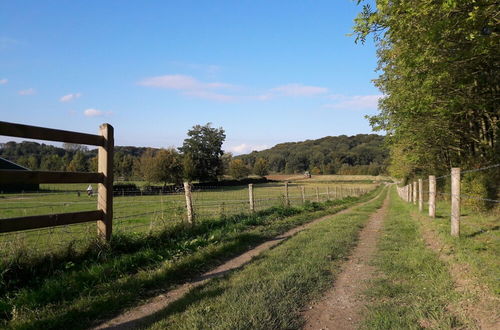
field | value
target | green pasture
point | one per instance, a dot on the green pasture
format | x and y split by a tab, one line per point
147	213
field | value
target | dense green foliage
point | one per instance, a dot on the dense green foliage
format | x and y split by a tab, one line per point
36	156
203	149
439	63
201	159
358	154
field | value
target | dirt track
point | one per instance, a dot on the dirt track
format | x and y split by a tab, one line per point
132	318
341	307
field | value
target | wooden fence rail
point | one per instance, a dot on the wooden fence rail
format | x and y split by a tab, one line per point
104	177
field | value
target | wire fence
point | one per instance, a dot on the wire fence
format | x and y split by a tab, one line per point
136	213
459	194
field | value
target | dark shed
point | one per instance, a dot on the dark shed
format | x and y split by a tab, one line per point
15	187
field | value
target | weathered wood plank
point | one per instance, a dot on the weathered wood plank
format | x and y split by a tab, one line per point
50	134
50	220
19	176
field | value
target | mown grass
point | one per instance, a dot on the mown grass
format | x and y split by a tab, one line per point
478	244
414	288
72	289
269	292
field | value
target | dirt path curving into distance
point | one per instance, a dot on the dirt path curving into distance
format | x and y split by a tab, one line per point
131	319
342	305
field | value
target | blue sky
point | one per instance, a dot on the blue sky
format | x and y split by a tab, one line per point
266	71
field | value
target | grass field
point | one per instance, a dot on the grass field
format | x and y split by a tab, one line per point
415	288
71	290
144	214
270	292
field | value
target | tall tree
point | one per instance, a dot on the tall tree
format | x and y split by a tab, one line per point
164	165
204	147
238	169
439	63
261	167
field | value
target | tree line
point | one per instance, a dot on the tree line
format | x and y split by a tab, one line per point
359	154
439	63
201	158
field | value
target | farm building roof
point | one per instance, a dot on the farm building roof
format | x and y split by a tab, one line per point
8	165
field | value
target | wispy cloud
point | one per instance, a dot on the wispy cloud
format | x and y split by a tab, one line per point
96	113
191	86
70	97
299	90
292	90
4	81
356	102
246	148
8	43
209	69
29	91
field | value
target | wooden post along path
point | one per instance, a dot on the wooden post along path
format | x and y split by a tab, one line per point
455	201
432	196
189	203
420	195
414	199
287	200
303	193
250	198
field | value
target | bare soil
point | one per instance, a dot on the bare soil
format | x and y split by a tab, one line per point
480	304
341	307
132	318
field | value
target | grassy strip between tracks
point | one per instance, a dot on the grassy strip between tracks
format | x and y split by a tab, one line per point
414	288
270	291
72	291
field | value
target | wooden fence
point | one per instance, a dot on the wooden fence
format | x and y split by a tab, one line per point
409	194
104	177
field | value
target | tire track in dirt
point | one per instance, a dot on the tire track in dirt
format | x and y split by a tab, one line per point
132	318
341	306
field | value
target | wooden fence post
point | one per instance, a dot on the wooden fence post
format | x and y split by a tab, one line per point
287	200
105	189
250	198
189	203
415	191
420	195
303	192
432	196
455	201
317	194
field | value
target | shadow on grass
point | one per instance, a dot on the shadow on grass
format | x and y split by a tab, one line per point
482	231
175	307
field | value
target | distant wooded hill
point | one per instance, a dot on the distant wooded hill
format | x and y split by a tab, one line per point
36	156
358	154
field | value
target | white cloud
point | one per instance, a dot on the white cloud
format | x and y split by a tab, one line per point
96	113
190	86
29	91
292	90
70	97
356	102
299	90
246	148
4	81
